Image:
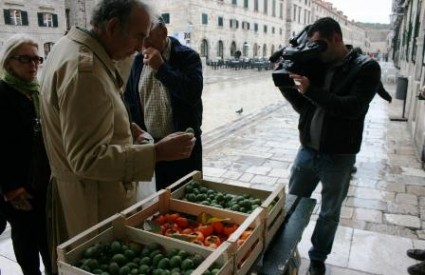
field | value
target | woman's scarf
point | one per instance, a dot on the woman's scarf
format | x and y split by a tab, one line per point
30	89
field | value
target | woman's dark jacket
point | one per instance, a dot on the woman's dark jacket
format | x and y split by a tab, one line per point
182	76
346	103
23	157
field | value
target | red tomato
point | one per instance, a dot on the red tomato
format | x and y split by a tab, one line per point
160	219
229	229
206	229
171	217
218	227
182	222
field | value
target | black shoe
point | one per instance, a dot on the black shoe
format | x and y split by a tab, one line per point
353	169
417	269
316	268
417	254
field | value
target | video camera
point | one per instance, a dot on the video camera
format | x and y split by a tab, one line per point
300	57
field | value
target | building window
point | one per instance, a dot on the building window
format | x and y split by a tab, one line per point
220	21
266	6
46	19
280	31
255	27
245	4
280	10
204	19
234	2
265	28
273	30
255	5
15	17
166	17
274	8
294	15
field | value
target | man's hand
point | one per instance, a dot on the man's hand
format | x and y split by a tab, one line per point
153	58
140	136
21	202
301	82
175	146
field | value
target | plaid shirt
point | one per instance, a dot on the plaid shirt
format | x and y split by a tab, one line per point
155	101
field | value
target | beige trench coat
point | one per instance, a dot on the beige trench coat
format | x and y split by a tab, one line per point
87	135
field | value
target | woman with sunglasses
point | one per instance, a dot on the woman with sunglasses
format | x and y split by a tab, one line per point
25	172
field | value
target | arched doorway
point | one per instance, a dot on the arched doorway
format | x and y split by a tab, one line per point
264	50
255	50
220	49
245	49
204	48
233	48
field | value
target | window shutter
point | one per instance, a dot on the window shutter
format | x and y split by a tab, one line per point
6	14
55	20
40	19
24	15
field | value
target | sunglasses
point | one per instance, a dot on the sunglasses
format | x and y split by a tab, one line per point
25	59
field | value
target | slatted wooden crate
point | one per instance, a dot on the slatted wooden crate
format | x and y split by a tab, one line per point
70	252
245	255
272	201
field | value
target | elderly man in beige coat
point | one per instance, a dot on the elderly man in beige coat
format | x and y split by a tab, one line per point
93	151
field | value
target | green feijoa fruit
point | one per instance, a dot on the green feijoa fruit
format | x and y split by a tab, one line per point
114	268
120	259
172	252
190	130
156	259
90	252
144	269
188	272
164	263
154	253
145	261
134	271
187	264
124	270
129	254
97	271
197	259
175	261
115	247
136	260
215	271
137	248
183	254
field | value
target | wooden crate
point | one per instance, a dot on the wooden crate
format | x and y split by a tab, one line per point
114	228
272	201
244	255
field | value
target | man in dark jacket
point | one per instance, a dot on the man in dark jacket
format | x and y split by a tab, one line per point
164	95
331	123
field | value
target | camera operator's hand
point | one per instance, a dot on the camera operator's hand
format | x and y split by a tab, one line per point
301	82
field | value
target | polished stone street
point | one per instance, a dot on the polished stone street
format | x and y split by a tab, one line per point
384	212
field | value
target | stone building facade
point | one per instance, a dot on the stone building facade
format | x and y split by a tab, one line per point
408	53
214	28
42	19
219	28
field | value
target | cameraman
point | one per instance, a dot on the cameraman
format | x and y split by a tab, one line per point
331	127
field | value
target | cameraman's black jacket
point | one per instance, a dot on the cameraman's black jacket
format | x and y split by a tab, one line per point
346	103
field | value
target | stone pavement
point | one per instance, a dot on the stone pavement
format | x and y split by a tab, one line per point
383	215
384	212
